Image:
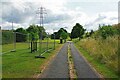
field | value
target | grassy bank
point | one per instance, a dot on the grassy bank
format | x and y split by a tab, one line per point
102	54
23	64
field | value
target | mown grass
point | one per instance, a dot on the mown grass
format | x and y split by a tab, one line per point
102	54
23	64
26	45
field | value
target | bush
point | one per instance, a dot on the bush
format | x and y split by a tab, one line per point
106	31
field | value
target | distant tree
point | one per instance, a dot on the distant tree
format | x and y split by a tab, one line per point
33	32
34	36
106	30
57	34
52	35
41	29
91	32
87	34
36	31
21	30
64	35
77	31
32	28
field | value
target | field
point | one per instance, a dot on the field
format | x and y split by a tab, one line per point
22	63
19	46
102	54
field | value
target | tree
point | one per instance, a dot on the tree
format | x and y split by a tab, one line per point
57	34
21	30
41	29
77	31
63	35
32	28
87	34
106	31
91	32
52	35
35	32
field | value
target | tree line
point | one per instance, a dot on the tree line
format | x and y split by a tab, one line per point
78	31
103	31
32	32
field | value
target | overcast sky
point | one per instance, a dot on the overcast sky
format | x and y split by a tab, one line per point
60	13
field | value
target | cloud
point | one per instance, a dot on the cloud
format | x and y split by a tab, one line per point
8	25
25	13
16	12
102	18
58	15
19	11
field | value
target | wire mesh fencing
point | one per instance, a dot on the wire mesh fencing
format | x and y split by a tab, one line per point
22	41
45	44
16	41
7	41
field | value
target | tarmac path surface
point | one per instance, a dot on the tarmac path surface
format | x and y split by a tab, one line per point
83	69
59	68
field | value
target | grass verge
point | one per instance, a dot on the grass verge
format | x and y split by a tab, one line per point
101	68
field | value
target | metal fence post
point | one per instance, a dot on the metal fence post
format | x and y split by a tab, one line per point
54	41
14	41
28	41
41	43
47	40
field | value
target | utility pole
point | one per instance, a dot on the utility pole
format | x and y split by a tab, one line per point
41	12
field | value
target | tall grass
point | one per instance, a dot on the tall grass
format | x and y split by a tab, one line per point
104	50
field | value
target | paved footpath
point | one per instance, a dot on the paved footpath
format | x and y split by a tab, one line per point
83	69
58	68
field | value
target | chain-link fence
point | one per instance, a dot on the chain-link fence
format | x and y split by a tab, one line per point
22	41
45	44
14	41
7	41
